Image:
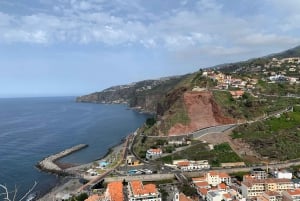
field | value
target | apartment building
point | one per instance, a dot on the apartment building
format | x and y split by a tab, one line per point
137	191
256	187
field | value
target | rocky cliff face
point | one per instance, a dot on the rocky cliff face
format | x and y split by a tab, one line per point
202	111
144	95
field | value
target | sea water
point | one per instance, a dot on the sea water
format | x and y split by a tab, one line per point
33	128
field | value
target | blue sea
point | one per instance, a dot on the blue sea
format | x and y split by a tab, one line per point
33	128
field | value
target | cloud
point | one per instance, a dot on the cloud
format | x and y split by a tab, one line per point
173	26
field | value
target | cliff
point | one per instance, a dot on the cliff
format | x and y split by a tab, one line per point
202	111
144	95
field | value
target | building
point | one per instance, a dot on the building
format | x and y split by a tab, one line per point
270	196
186	165
291	195
181	197
93	197
256	187
214	178
153	153
138	191
283	174
114	191
218	196
237	94
259	173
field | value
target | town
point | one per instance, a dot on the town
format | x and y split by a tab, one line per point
131	175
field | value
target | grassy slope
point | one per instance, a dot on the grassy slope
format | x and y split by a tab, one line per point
221	153
276	138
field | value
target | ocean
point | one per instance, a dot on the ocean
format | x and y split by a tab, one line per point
33	128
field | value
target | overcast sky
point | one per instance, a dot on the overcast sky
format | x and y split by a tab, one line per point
75	47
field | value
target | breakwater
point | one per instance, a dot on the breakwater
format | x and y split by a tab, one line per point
48	164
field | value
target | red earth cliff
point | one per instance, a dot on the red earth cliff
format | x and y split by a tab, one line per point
203	112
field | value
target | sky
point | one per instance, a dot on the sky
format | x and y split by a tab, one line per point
76	47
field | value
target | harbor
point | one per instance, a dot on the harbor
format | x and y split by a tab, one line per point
48	164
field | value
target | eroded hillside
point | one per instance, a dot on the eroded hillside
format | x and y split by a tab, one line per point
202	111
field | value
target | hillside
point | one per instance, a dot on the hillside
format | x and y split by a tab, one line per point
225	94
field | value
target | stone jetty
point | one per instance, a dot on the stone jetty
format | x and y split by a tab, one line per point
48	164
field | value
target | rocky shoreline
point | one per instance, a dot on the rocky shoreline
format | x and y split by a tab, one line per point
72	184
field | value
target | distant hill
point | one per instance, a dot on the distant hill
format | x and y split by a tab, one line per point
143	95
294	52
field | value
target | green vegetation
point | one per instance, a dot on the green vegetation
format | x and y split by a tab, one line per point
150	122
276	138
188	190
221	153
239	175
249	107
80	197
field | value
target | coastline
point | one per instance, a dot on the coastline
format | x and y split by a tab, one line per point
69	185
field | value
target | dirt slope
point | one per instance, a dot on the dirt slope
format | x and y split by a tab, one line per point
203	112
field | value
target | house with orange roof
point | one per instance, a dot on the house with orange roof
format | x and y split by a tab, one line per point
237	94
214	178
138	191
202	184
202	192
114	191
93	197
291	195
222	186
153	153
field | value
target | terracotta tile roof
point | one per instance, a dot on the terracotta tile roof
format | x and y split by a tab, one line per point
275	180
203	191
155	150
294	192
202	184
183	163
251	182
220	174
222	186
227	196
223	175
271	193
183	197
213	173
94	197
139	189
261	198
115	190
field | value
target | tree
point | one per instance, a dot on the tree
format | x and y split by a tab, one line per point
7	196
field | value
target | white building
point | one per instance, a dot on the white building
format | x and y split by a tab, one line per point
215	178
283	175
218	196
153	153
186	165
